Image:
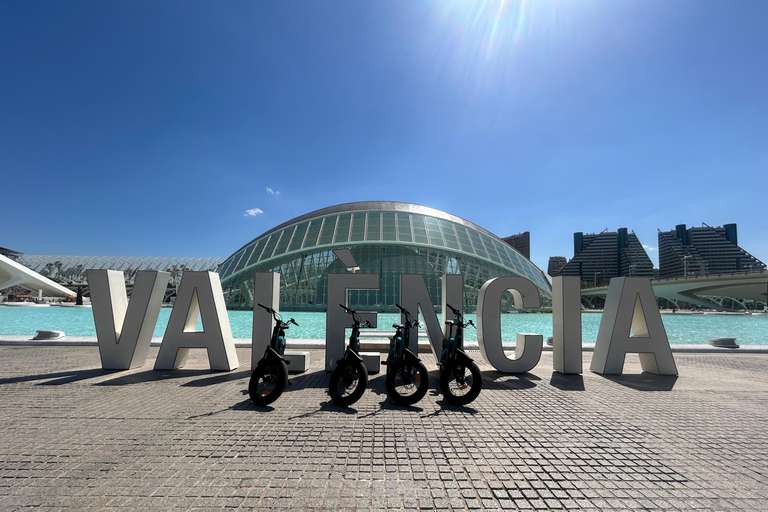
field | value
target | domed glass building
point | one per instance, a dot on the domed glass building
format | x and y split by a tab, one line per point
386	238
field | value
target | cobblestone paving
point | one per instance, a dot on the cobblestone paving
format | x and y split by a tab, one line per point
75	436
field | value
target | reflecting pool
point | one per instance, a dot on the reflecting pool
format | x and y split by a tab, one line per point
681	328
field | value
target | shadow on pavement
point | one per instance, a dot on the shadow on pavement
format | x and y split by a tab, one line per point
645	381
498	380
567	382
59	378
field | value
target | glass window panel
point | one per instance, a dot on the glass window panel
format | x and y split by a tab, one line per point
419	231
449	235
505	258
490	248
298	236
314	231
358	227
342	229
477	243
329	227
239	258
461	234
404	227
254	257
388	226
373	232
282	245
224	267
435	236
271	243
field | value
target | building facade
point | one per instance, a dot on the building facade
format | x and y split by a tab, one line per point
600	257
703	251
385	238
521	243
555	266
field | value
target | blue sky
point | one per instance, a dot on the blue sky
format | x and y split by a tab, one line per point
153	128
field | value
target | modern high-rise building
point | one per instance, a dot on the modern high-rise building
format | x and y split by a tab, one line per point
556	264
703	251
521	243
603	256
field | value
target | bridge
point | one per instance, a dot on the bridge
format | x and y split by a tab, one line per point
707	291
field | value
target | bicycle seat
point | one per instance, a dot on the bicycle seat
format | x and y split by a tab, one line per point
398	326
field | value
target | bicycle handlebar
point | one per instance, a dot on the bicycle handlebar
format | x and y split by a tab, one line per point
269	310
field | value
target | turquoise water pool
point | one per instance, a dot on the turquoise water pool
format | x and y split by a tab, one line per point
750	330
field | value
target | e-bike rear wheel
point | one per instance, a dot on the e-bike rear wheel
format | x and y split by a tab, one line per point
407	382
461	382
348	383
268	381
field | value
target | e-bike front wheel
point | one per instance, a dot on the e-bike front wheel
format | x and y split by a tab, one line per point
407	382
268	381
461	382
348	383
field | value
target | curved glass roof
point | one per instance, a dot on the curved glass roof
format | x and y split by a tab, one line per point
378	222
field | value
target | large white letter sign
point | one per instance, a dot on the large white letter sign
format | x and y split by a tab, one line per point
124	330
528	348
337	320
453	294
566	324
266	290
631	323
199	295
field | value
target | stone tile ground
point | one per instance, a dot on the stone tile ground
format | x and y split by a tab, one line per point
75	436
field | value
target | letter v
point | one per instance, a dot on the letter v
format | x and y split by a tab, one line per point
124	330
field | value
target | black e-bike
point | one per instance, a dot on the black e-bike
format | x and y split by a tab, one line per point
407	378
350	377
270	377
460	378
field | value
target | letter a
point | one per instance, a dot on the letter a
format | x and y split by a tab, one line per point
124	330
631	323
199	294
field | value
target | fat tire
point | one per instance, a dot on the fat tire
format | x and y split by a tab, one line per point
273	377
413	370
448	383
344	369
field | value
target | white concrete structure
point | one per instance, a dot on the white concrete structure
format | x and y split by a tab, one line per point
16	274
698	290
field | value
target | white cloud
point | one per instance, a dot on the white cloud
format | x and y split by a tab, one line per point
649	248
275	193
253	212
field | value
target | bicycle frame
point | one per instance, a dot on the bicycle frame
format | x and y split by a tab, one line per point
453	345
277	343
354	337
401	341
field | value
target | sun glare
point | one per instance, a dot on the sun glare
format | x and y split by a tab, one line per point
480	40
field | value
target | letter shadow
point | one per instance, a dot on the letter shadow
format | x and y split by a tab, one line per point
59	378
644	381
569	382
157	375
499	380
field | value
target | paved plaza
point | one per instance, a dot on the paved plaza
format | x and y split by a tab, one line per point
76	436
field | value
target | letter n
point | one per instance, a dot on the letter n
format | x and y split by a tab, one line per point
632	323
